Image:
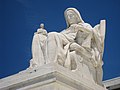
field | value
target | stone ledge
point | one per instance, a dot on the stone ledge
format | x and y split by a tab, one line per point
49	74
112	83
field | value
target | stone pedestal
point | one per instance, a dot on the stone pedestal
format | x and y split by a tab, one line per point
48	77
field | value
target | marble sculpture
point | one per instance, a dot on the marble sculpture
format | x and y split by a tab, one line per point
78	48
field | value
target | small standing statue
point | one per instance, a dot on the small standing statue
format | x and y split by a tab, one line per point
38	47
78	48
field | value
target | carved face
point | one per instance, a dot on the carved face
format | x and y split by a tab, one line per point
72	17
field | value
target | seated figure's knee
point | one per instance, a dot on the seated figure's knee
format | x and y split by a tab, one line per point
52	35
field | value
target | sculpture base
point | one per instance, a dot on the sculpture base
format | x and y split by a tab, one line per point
48	77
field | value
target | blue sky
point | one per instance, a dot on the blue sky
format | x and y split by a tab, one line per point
19	19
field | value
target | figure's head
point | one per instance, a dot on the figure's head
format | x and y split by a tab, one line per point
41	25
72	16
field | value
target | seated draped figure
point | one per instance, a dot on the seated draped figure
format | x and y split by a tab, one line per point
78	48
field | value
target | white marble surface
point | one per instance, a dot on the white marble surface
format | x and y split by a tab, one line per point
78	47
48	77
113	83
